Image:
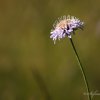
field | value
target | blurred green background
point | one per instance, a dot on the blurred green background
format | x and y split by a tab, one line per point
31	66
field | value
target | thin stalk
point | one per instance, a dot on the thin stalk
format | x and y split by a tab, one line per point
41	84
82	69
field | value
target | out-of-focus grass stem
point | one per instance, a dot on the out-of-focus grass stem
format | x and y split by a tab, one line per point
41	84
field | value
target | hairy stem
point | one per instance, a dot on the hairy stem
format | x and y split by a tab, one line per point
82	69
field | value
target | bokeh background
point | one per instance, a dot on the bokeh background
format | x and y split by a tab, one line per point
31	66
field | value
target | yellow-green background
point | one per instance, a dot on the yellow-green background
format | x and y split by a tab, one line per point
30	60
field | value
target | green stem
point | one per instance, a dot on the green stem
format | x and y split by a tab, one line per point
41	84
82	70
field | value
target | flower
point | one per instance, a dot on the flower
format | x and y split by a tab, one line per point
65	26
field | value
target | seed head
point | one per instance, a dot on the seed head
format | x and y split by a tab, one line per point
64	26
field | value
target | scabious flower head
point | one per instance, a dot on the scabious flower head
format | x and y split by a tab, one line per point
65	26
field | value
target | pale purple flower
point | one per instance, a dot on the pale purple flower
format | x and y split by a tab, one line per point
65	26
